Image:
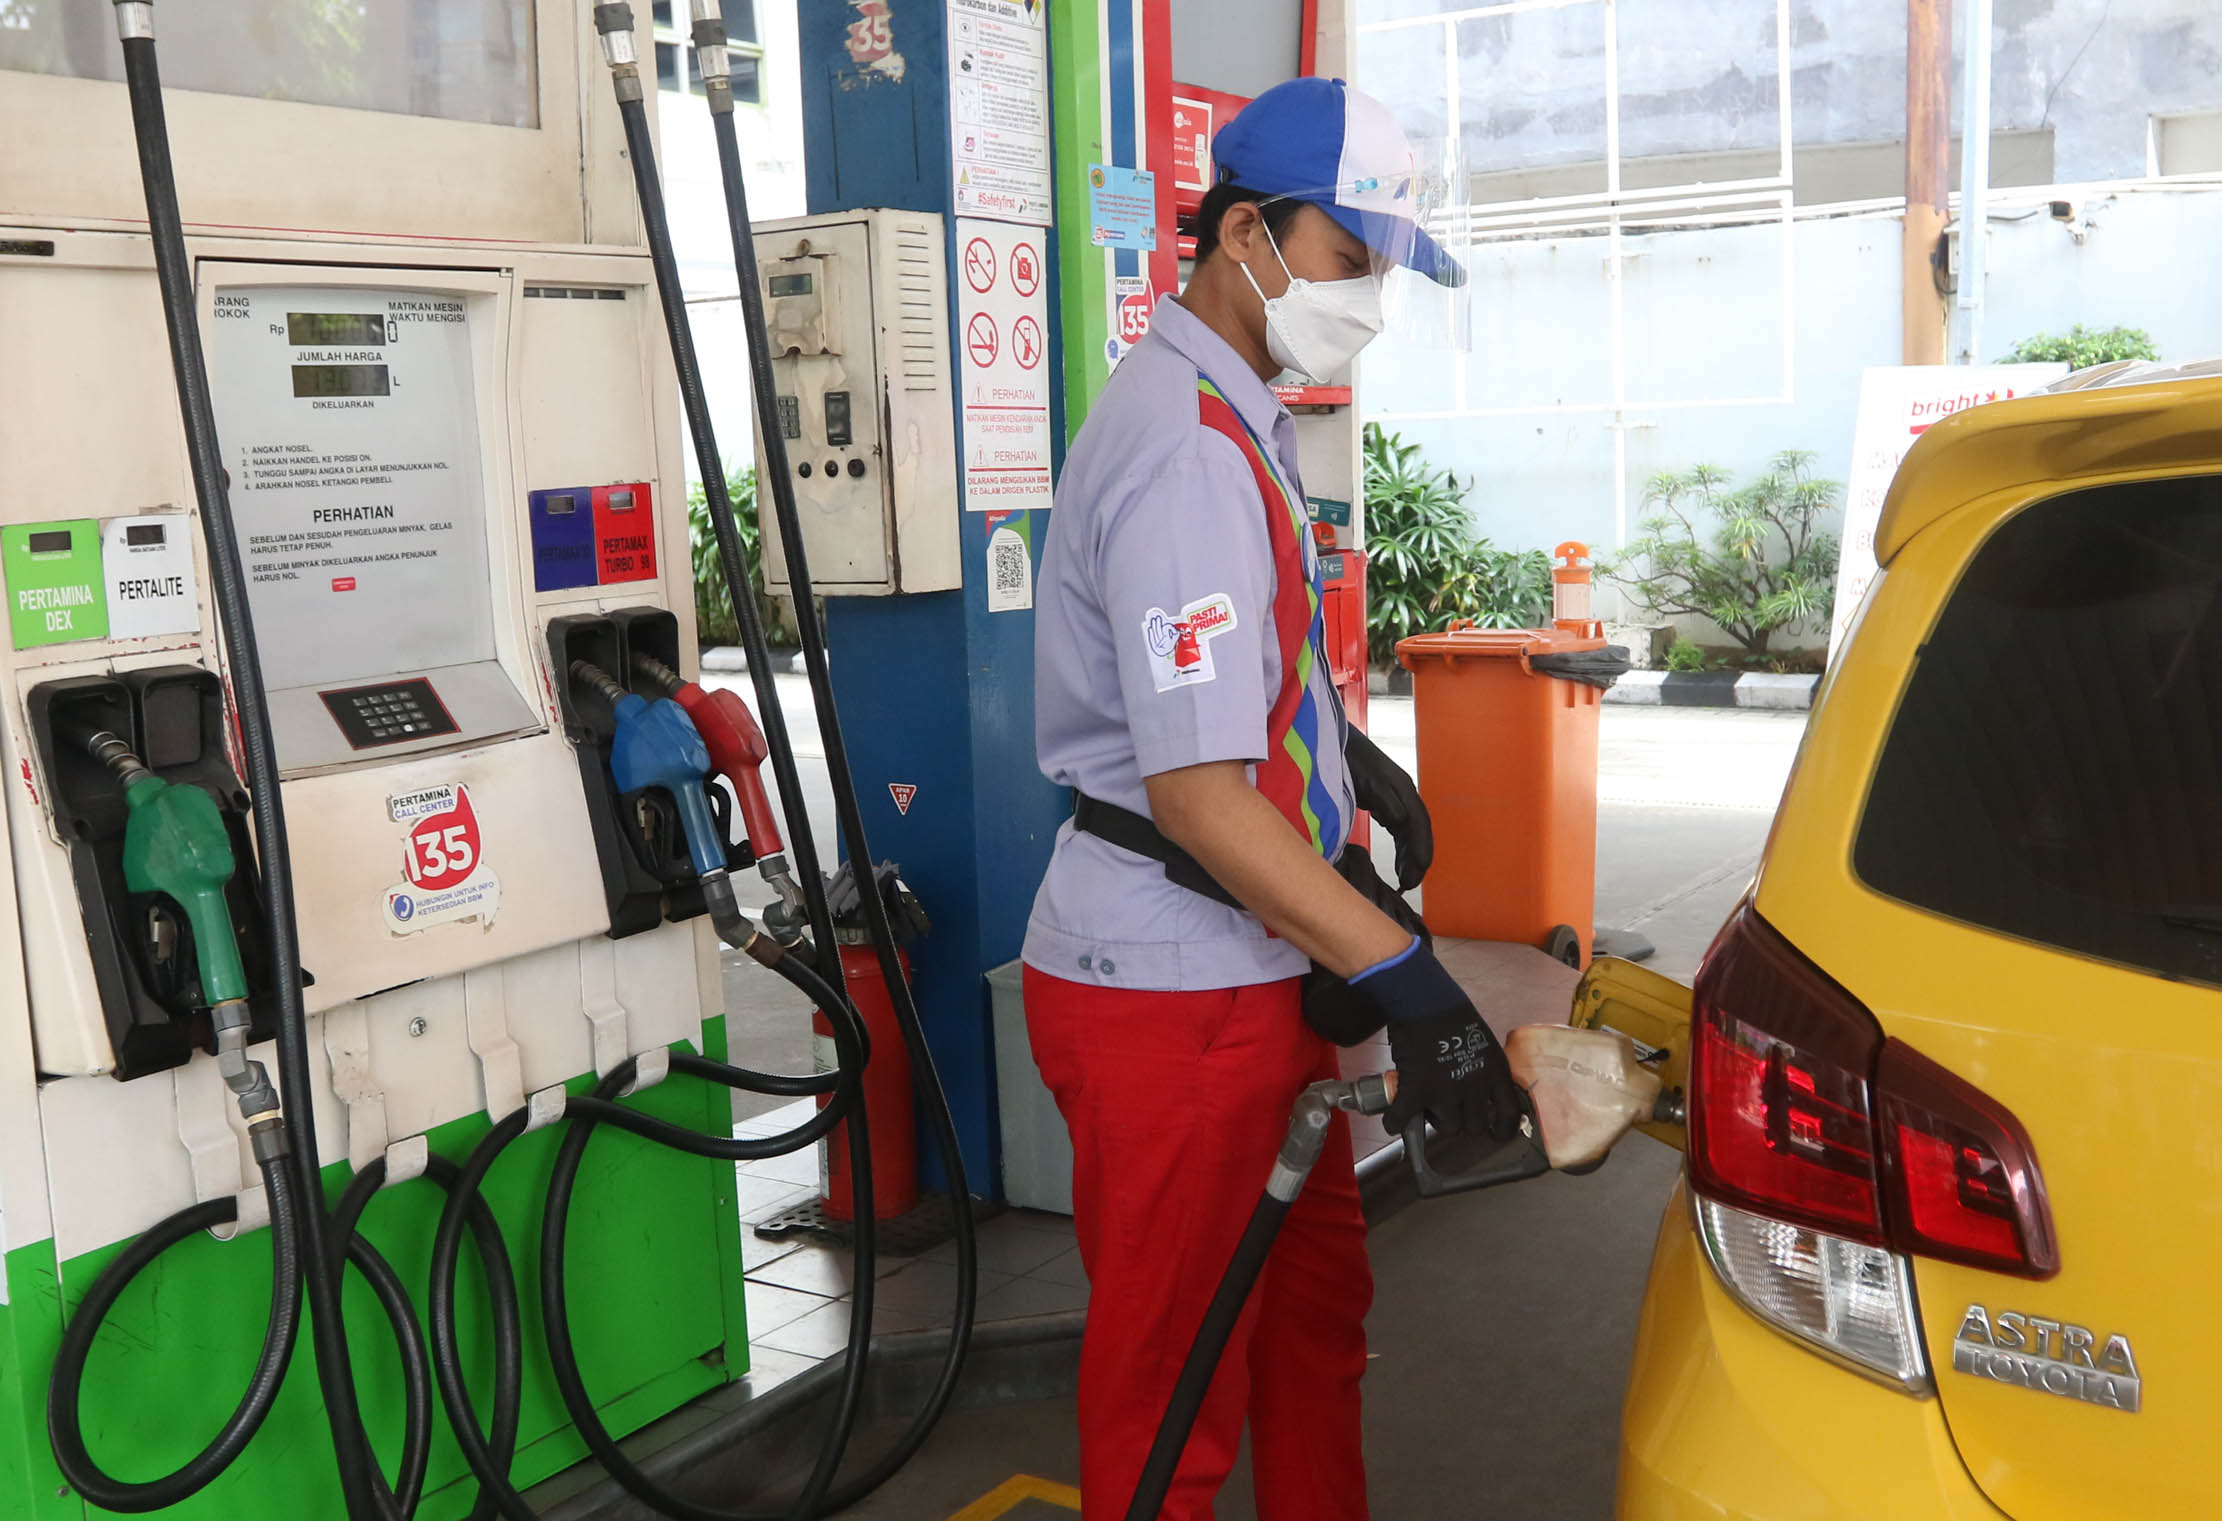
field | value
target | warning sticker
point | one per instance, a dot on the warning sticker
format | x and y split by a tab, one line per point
1003	315
902	793
445	876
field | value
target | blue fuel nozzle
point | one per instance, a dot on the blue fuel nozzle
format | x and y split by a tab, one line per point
657	745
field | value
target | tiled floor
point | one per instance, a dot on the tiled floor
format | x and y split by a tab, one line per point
799	1295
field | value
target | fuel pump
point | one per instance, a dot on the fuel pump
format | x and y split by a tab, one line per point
384	435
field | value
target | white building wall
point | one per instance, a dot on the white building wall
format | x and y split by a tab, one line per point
1705	318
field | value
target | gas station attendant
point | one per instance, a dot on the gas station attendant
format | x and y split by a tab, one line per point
1201	923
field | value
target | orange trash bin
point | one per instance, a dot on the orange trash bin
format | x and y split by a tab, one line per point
1508	770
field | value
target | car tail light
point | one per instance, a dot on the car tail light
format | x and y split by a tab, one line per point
1852	1300
1960	1178
1820	1153
1780	1059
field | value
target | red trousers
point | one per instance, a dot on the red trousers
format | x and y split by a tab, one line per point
1177	1103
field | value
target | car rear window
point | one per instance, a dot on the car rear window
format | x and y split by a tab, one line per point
2055	770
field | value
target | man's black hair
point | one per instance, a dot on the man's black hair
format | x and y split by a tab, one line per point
1223	198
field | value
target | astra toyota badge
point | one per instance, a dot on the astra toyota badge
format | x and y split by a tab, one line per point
2048	1356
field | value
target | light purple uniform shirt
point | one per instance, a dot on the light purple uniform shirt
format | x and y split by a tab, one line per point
1158	516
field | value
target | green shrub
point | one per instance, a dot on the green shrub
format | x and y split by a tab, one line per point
2081	347
715	622
1682	655
1425	568
1766	565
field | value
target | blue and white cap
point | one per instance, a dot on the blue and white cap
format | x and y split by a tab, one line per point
1319	140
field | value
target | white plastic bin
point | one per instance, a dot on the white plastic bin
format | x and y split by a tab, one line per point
1037	1150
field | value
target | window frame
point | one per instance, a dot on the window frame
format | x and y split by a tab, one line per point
674	33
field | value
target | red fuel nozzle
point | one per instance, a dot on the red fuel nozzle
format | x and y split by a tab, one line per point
737	748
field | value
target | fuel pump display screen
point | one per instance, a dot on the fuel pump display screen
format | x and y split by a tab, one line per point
323	329
789	285
350	425
342	380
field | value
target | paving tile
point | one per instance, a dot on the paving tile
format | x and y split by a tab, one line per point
762	1198
825	1331
1009	1248
774	1121
813	1269
759	1252
1031	1296
930	1289
799	1168
770	1306
769	1367
1065	1269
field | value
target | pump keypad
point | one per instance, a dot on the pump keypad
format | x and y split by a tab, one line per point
392	713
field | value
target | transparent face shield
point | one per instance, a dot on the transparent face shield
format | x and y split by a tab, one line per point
1397	266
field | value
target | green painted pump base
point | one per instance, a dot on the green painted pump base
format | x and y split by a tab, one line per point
656	1307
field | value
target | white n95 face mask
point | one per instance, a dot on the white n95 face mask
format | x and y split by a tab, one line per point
1315	326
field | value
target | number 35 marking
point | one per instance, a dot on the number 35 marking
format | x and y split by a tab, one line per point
439	853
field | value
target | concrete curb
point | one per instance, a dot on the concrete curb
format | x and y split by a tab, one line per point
730	659
1714	689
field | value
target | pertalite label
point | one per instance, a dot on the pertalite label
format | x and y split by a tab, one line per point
148	563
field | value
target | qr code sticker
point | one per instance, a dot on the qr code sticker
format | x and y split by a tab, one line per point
1010	576
1010	570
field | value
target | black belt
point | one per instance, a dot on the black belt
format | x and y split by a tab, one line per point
1129	830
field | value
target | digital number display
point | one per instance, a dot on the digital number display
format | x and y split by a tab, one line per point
144	535
340	380
790	285
325	330
53	541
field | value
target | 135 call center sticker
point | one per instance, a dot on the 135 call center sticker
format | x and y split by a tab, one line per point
1180	648
443	863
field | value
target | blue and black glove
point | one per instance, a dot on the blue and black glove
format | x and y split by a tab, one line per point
1449	1066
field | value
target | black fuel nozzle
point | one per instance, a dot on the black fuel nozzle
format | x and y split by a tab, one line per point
845	902
662	676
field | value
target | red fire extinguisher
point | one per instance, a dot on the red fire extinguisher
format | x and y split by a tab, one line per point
887	1094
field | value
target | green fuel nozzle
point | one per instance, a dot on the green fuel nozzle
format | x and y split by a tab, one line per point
175	842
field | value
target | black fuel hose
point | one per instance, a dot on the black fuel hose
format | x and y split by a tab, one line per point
489	1466
258	747
1194	1383
64	1425
614	21
925	1076
555	1313
501	1293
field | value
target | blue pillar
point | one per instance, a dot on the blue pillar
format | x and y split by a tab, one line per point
933	691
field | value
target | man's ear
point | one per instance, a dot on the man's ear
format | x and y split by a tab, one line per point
1239	229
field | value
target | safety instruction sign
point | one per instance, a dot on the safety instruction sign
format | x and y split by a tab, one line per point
1897	404
55	593
445	876
999	108
1010	581
1122	207
147	566
1003	365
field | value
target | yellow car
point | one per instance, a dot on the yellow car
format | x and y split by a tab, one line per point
1949	1239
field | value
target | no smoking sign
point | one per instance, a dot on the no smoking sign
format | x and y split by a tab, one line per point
1003	322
